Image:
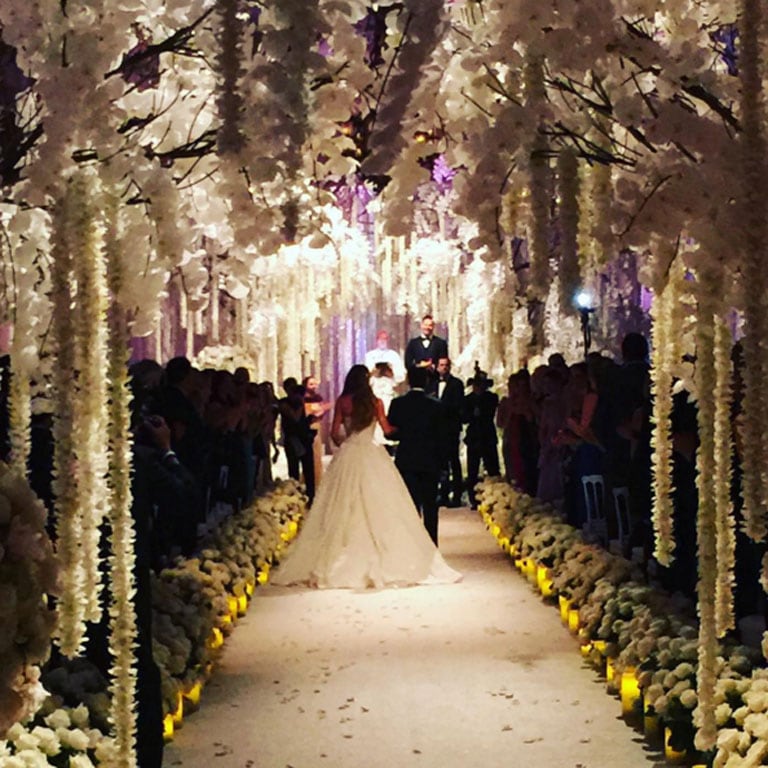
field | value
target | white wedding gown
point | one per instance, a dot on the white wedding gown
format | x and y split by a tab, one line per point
363	529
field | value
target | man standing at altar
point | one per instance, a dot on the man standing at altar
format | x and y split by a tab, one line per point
449	390
382	353
425	350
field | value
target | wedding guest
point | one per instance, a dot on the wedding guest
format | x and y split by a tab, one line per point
297	435
516	417
382	353
550	385
479	412
315	409
425	350
449	390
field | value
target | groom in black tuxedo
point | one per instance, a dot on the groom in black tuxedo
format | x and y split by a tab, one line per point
417	418
425	350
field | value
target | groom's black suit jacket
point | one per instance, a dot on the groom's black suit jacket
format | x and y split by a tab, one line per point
416	352
418	418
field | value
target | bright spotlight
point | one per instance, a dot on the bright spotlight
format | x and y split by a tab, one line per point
584	300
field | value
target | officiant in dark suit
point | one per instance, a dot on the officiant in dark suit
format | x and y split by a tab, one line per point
425	350
417	418
449	390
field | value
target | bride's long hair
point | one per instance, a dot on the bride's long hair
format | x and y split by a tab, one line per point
358	386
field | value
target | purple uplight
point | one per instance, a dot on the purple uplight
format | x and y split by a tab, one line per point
726	37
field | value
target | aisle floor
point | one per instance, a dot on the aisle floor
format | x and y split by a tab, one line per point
480	673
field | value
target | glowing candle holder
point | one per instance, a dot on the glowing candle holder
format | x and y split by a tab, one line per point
192	695
482	509
513	549
672	755
573	619
242	604
504	543
610	670
216	639
168	728
530	570
263	576
629	691
178	714
651	722
599	646
225	620
495	530
232	606
586	649
250	587
565	604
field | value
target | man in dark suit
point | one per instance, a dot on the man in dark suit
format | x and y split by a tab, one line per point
481	437
425	350
449	390
417	419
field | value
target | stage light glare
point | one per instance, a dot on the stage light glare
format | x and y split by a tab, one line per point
583	300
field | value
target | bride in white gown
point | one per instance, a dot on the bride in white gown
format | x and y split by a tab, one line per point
363	529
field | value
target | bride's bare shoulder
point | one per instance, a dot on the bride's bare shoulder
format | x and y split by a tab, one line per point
344	404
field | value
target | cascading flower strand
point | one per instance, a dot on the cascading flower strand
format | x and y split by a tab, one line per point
661	439
726	533
229	100
20	404
568	272
754	436
89	407
706	530
66	490
539	181
122	583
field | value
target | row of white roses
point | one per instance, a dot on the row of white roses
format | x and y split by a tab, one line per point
643	627
190	599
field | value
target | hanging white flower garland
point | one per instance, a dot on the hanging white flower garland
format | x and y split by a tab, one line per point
19	403
539	185
662	334
706	530
67	504
569	276
90	403
723	447
755	233
122	535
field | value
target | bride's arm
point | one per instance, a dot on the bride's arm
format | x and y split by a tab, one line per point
336	434
381	417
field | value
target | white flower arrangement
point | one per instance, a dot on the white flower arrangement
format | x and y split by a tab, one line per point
57	735
28	574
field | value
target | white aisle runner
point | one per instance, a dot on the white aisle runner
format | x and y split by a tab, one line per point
480	673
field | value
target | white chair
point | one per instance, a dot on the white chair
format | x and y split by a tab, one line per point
595	528
623	521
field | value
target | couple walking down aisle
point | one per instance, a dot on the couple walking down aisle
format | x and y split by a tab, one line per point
363	530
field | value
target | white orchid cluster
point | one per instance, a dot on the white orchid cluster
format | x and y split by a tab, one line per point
60	736
28	575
